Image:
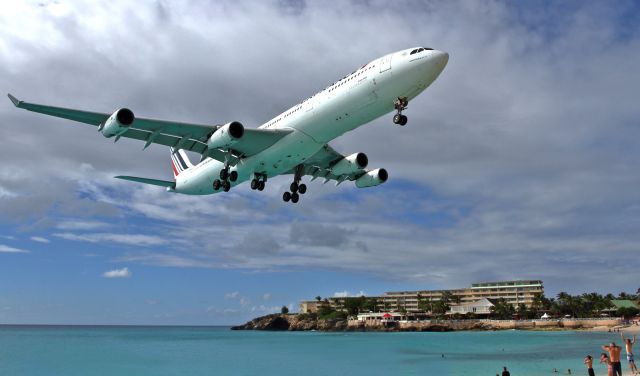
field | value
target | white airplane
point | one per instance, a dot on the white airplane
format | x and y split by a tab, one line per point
294	142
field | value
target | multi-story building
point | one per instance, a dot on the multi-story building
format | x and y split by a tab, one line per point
514	292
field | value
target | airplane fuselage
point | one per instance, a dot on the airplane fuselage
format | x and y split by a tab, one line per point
355	100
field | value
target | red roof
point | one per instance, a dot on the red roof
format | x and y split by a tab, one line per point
387	316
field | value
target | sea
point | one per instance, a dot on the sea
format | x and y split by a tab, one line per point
137	350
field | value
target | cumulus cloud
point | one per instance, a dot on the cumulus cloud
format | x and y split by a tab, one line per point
118	273
232	295
347	294
519	161
7	249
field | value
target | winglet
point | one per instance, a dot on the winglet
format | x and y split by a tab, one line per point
15	100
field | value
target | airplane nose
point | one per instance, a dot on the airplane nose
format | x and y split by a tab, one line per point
441	58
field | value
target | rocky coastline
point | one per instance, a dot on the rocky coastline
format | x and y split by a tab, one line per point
295	322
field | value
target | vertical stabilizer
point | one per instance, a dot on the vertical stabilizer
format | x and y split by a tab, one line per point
180	161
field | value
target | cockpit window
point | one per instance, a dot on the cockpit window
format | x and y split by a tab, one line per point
420	50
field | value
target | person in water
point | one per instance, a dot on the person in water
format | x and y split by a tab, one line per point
505	372
628	344
614	357
588	361
605	359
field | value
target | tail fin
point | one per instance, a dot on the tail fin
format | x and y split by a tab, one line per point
180	161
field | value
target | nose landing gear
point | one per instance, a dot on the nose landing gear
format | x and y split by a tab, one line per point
400	105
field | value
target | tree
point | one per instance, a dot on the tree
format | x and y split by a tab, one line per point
626	312
284	310
424	304
325	310
318	298
503	310
440	307
370	305
525	313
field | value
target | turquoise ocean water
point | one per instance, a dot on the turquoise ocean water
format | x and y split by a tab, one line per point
63	350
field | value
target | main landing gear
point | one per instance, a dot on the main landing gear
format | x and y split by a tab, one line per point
296	187
400	105
258	182
226	177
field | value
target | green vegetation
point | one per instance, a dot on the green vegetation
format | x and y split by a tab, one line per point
564	304
579	306
284	310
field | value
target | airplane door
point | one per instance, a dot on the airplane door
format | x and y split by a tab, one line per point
385	64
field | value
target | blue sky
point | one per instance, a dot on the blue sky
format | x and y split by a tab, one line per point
521	161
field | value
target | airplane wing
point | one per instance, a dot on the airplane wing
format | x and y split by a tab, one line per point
192	137
320	166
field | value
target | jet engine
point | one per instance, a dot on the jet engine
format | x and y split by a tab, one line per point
372	178
117	123
350	164
226	135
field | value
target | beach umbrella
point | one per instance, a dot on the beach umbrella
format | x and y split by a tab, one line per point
387	316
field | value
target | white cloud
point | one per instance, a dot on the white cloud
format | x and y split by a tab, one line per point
346	294
40	239
510	157
82	225
117	273
7	249
266	296
232	295
128	239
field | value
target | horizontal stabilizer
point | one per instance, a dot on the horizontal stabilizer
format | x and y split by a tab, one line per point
161	183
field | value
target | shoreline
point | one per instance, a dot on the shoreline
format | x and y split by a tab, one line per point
295	322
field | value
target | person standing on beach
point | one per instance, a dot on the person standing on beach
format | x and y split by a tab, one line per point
628	344
588	360
605	359
614	354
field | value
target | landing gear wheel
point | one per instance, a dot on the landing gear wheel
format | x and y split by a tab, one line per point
216	184
286	196
400	104
302	188
233	176
255	184
261	186
224	174
226	186
293	187
294	197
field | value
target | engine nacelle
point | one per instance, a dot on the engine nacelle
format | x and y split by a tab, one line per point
117	123
350	164
226	135
372	178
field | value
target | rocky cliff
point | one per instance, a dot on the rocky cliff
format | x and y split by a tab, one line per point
292	322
